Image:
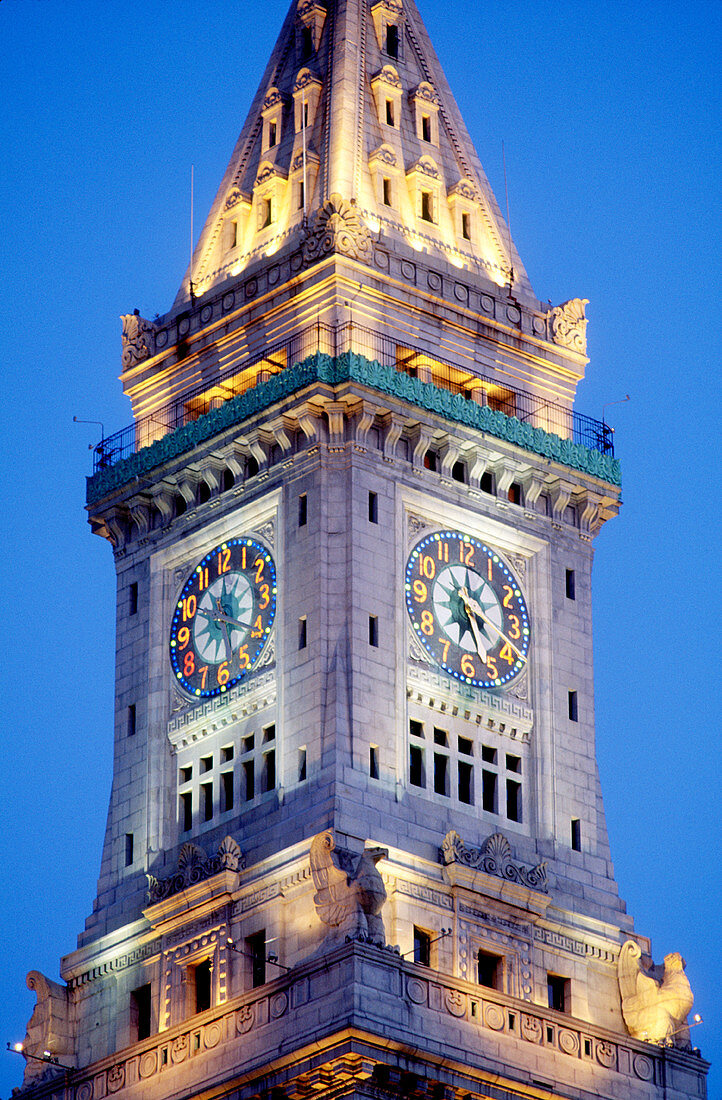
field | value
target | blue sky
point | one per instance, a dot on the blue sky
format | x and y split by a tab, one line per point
610	116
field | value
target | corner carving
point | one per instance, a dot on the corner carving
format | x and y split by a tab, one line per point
194	866
569	325
337	227
654	1007
349	891
494	857
138	338
49	1032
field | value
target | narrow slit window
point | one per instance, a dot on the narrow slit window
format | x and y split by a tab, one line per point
422	947
417	778
128	849
302	764
301	195
576	834
466	226
266	212
488	792
249	780
466	784
486	483
302	633
302	510
513	800
373	508
207	801
573	707
256	950
426	127
441	774
571	585
306	43
269	770
389	112
202	982
233	234
373	761
186	811
133	599
140	1013
392	40
226	792
427	209
272	130
387	191
373	631
131	720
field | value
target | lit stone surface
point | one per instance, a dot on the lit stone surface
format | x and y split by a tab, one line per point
466	927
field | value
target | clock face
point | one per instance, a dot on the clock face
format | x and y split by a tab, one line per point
223	617
467	609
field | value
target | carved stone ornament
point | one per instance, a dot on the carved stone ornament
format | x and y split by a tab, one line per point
569	325
465	189
304	78
494	857
195	866
337	227
426	92
385	154
49	1030
138	338
426	167
389	76
234	197
349	890
273	97
655	1008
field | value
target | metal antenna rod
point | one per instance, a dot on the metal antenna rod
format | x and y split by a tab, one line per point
190	280
508	219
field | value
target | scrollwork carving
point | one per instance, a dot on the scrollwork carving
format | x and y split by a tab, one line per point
337	227
494	857
569	325
194	866
138	338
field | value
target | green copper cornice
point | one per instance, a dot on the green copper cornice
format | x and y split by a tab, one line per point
351	367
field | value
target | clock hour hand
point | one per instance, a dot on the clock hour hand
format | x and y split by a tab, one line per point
471	605
219	617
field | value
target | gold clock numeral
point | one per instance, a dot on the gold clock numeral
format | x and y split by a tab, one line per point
258	566
202	577
204	672
223	675
491	667
508	654
427	623
509	595
184	636
427	567
445	646
243	658
190	604
443	551
257	629
189	663
224	561
265	596
514	631
420	591
467	666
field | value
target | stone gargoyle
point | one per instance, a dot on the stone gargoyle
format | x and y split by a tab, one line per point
654	1008
349	890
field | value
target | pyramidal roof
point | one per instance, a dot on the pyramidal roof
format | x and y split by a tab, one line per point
354	119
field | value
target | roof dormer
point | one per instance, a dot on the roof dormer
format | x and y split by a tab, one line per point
386	87
425	104
310	17
388	17
272	113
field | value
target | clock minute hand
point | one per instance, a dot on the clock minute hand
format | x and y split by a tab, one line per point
219	617
471	605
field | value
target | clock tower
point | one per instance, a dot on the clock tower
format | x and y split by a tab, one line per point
356	842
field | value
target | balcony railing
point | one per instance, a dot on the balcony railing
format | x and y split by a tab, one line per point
418	362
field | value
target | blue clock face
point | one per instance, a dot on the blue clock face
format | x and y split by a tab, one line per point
467	609
223	617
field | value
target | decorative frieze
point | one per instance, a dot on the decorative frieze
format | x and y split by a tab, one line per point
424	893
194	866
120	962
572	946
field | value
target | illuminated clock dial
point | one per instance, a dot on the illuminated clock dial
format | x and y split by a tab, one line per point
223	617
467	609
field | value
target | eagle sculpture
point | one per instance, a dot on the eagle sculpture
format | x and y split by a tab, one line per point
349	890
654	1010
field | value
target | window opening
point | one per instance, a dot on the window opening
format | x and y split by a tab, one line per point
570	585
374	631
490	970
488	792
458	471
387	191
226	754
426	206
271	134
417	778
373	508
133	598
249	780
202	981
269	770
256	948
514	493
301	195
558	993
576	834
389	112
206	763
131	720
128	849
513	800
186	811
373	761
140	1013
392	40
302	764
466	226
486	483
441	774
302	633
466	786
422	947
302	510
266	212
207	800
226	792
306	43
573	709
426	128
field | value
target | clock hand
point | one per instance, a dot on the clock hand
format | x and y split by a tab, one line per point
471	605
226	633
218	617
477	636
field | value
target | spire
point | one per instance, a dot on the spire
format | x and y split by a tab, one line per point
354	108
